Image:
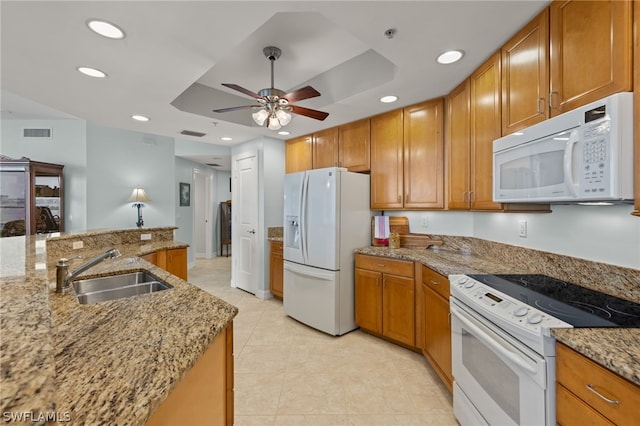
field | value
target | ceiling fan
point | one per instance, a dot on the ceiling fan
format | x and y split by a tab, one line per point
274	105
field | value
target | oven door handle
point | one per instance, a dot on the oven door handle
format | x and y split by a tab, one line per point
481	335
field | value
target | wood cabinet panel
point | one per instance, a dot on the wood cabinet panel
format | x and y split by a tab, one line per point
636	105
572	411
435	281
299	154
458	148
176	262
398	314
355	146
151	257
276	269
485	128
424	155
525	76
368	295
585	378
591	51
325	148
387	161
385	265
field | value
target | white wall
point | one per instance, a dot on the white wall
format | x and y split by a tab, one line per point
117	162
67	146
606	234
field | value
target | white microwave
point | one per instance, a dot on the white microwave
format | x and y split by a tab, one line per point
582	156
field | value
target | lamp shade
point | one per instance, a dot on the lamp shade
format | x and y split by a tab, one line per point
139	196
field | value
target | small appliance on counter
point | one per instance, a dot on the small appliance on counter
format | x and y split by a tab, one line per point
503	353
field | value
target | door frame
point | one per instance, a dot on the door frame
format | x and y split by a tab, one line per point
207	202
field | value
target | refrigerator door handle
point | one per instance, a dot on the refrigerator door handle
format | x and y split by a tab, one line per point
303	217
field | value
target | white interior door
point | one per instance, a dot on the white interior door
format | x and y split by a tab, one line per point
245	222
203	214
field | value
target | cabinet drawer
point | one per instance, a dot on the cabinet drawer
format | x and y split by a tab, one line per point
579	374
571	410
385	265
435	281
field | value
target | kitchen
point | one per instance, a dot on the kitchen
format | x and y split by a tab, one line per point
568	230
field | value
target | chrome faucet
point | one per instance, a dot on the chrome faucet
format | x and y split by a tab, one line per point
64	277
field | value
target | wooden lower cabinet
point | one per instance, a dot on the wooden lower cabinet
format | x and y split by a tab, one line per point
385	300
437	324
276	269
173	261
205	395
589	394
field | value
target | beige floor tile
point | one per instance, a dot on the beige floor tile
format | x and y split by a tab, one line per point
287	373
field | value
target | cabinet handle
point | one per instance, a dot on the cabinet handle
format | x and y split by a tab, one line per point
540	106
610	401
551	106
382	265
435	282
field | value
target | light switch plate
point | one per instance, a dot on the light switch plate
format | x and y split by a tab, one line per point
78	245
522	228
145	237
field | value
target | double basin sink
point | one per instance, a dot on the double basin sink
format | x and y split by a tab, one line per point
95	290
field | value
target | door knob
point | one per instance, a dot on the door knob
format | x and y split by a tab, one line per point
253	231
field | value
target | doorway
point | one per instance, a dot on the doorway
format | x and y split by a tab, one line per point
202	214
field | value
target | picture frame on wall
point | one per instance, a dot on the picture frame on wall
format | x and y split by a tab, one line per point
185	194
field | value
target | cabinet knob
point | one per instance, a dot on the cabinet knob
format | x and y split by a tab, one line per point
551	94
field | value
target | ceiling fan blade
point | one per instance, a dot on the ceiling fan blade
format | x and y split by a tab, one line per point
242	89
236	108
301	94
312	113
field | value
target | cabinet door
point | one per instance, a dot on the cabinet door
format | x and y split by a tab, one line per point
437	334
276	270
424	155
298	154
636	107
177	262
386	161
457	147
571	410
525	79
355	146
325	148
398	309
151	258
485	128
591	51
368	295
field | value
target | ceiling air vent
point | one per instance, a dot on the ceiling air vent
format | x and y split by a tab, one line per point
213	165
37	133
192	133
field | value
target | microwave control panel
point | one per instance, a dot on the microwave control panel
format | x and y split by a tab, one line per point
595	173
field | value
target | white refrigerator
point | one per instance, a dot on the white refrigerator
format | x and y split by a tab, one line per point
326	216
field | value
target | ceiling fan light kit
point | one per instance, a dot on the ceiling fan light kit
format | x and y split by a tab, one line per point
275	105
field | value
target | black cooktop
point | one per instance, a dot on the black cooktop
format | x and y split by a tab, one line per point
573	304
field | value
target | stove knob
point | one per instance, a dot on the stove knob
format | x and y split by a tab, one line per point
469	284
534	318
521	311
462	280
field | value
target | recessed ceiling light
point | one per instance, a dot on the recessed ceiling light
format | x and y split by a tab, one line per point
388	99
105	29
140	118
284	133
450	57
92	72
226	138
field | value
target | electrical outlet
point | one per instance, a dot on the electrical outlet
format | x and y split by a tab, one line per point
78	245
145	237
522	228
425	221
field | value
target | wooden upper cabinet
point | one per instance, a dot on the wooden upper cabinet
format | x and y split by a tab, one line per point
355	146
424	155
458	149
484	86
591	51
387	161
525	76
298	154
325	148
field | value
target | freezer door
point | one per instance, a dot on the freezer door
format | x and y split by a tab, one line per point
320	221
311	297
293	198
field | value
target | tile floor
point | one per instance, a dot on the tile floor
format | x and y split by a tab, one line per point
289	374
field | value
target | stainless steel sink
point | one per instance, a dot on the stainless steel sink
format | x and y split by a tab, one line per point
95	290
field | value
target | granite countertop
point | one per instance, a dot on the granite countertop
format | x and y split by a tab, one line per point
109	363
617	349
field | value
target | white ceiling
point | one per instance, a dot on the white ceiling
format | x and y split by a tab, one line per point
176	54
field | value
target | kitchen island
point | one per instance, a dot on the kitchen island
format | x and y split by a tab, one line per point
113	362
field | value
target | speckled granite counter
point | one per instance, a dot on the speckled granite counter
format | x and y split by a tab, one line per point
275	233
107	363
616	349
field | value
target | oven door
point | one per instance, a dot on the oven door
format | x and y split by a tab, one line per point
497	380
